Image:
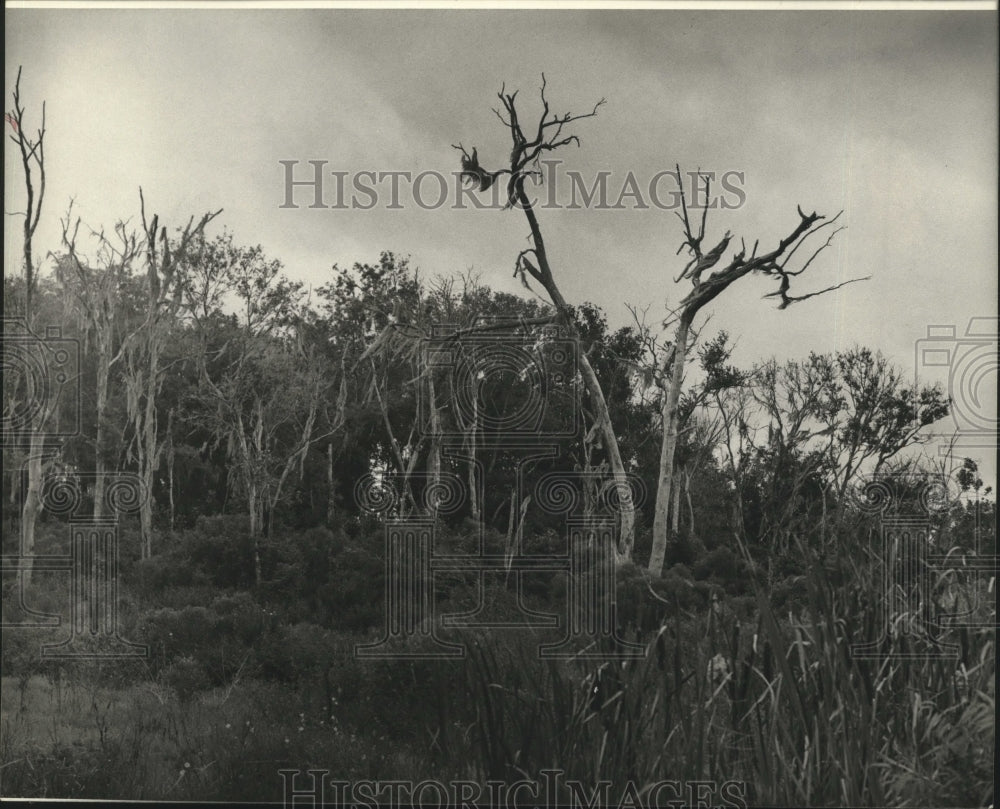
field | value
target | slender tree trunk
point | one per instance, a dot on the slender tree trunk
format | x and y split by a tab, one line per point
591	487
150	454
434	455
543	274
247	467
253	496
405	467
675	506
473	496
626	538
163	297
102	402
16	487
32	498
32	159
170	465
687	495
511	522
331	488
669	446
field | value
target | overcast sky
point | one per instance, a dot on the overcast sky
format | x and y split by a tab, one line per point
890	116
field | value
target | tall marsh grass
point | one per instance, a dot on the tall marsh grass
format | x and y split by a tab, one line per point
777	702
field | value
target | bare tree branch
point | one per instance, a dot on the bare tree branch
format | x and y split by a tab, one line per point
32	161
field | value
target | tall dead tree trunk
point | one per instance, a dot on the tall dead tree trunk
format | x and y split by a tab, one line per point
99	466
32	161
668	448
149	440
434	453
773	264
95	291
602	416
675	507
165	263
32	498
473	467
32	153
523	163
171	454
335	421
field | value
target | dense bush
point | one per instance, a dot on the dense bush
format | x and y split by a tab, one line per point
186	676
149	577
295	653
219	638
221	547
645	602
217	551
723	566
352	598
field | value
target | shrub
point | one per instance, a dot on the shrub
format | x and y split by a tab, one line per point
645	601
185	676
295	653
219	637
221	548
353	597
239	617
150	577
402	699
722	565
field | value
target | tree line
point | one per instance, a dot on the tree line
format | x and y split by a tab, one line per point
227	386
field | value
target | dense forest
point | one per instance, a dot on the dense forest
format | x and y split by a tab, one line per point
253	440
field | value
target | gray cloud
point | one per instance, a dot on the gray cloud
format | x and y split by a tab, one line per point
890	116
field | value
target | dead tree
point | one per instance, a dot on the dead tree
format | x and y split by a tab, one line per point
775	264
32	151
166	262
548	135
95	291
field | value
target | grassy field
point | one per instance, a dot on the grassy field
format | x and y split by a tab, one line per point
143	742
732	688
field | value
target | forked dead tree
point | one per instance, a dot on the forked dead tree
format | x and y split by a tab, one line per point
775	264
549	134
